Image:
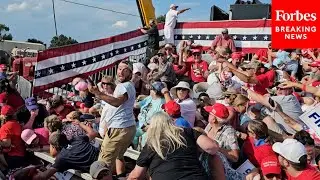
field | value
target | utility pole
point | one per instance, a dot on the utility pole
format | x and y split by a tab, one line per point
54	18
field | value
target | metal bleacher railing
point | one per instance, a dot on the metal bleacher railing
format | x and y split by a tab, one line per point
67	88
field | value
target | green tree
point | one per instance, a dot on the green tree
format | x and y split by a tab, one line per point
161	19
4	35
33	40
62	40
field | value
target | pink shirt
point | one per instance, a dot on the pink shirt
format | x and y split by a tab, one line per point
43	135
227	43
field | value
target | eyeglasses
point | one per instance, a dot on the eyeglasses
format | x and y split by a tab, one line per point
182	89
196	54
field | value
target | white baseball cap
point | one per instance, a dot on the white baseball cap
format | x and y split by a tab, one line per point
173	5
290	149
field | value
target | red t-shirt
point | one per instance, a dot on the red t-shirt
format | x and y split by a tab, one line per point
189	61
179	69
12	130
256	154
197	71
262	55
14	100
309	173
264	81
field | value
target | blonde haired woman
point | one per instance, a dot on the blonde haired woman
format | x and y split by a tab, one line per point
171	152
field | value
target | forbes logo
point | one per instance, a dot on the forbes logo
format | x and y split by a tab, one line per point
281	15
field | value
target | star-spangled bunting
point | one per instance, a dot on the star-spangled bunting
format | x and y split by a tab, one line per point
106	55
236	37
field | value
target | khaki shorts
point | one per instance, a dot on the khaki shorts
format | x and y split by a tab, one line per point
115	144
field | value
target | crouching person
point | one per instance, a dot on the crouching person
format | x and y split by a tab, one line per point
77	154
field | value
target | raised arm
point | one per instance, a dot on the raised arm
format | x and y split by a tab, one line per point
310	89
183	10
257	97
114	101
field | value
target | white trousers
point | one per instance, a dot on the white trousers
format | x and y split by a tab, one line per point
168	35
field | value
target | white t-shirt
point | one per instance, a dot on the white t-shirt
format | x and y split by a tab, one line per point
122	116
107	112
188	110
171	18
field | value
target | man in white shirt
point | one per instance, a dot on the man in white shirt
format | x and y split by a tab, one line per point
170	24
120	120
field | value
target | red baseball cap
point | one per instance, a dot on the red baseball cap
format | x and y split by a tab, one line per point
196	50
315	63
219	110
236	55
7	110
172	108
270	165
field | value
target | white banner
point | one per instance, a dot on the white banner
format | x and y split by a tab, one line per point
312	119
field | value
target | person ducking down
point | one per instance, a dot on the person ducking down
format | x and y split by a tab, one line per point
100	171
219	130
36	140
173	110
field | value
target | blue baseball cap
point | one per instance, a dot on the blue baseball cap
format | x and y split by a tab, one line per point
31	103
158	86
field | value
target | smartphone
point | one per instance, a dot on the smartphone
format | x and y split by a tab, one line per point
271	102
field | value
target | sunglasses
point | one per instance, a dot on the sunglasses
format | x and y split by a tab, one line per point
227	96
203	99
279	88
270	176
104	83
244	69
196	54
182	89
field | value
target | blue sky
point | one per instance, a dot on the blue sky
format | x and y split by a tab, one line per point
34	19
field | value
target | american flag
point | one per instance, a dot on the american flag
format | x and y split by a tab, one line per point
59	66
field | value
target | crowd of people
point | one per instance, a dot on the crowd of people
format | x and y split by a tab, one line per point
190	118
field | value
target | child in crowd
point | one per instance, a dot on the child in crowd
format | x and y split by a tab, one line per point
85	95
36	140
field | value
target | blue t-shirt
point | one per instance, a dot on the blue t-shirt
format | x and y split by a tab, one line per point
282	58
181	122
148	107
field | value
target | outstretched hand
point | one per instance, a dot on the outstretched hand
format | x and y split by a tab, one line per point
287	84
93	89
